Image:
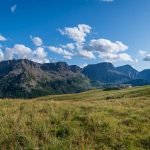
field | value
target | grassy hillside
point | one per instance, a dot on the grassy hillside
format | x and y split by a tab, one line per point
100	120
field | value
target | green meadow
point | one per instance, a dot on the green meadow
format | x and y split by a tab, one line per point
92	120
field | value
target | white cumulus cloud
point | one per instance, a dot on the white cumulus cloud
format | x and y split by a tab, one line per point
104	45
147	57
87	54
78	33
142	53
2	38
90	49
40	56
125	57
69	46
1	55
40	52
61	51
37	41
108	50
19	51
115	57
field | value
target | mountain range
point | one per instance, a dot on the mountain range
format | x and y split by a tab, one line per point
27	79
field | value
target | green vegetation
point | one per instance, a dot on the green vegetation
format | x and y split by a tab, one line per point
97	119
27	79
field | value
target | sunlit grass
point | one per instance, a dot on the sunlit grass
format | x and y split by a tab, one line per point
97	119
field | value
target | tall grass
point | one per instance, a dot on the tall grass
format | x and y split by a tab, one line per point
100	120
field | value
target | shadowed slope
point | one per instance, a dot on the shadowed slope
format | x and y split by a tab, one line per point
26	79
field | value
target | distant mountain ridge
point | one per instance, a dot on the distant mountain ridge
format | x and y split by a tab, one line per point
104	72
128	70
26	79
145	74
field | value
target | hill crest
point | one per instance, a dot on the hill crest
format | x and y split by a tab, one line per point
25	78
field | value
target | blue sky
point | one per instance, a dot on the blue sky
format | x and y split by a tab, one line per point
76	31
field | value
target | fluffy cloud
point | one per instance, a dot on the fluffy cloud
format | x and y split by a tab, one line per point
37	41
40	56
86	54
61	51
115	57
13	8
19	51
142	53
147	58
125	57
104	45
2	38
105	49
1	55
69	46
108	50
108	56
145	55
40	52
78	33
